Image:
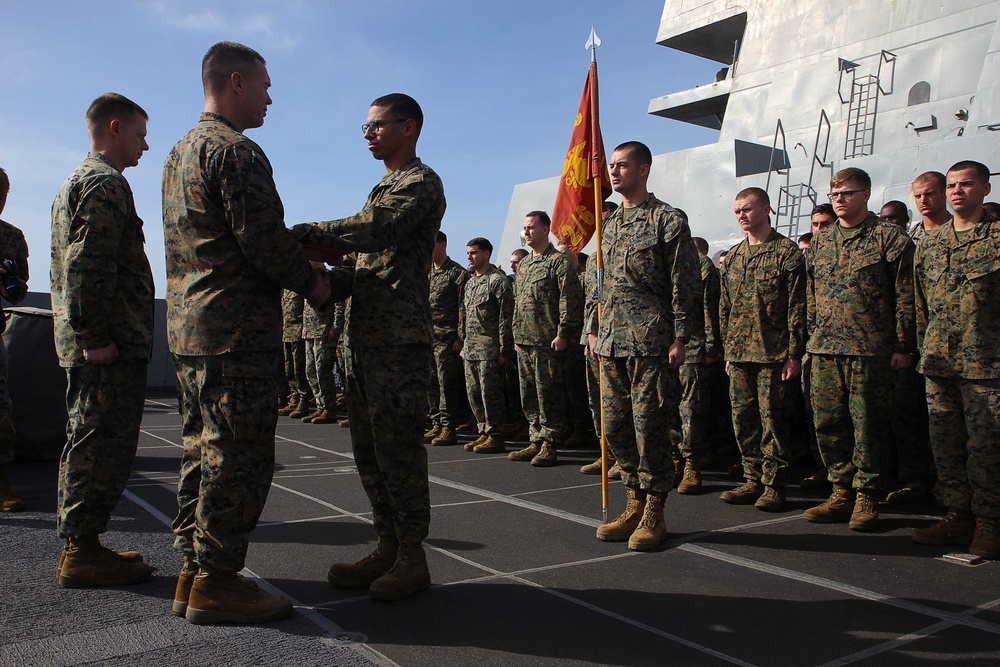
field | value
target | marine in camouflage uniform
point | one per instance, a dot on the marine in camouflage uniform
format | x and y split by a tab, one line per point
763	313
446	396
102	302
12	246
390	335
228	256
294	351
860	305
548	304
957	276
321	358
487	341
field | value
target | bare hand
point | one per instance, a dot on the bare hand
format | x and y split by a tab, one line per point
101	356
456	346
791	370
559	344
592	345
900	361
675	357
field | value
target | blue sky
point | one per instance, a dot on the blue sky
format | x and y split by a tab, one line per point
499	83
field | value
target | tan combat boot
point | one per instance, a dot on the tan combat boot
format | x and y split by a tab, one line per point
865	514
651	531
691	481
493	444
546	456
434	432
308	419
986	542
957	527
8	501
526	454
84	563
409	575
445	438
838	508
615	472
324	417
130	556
185	580
744	495
226	597
622	527
344	423
366	570
302	409
289	407
472	444
595	467
772	500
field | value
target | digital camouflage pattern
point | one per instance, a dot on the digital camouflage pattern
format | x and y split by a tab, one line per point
484	384
711	281
446	395
652	282
763	302
229	406
293	346
446	295
105	413
543	401
12	245
102	287
548	299
860	291
488	310
228	252
292	312
760	419
321	358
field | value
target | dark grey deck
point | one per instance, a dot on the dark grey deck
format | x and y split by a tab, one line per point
519	577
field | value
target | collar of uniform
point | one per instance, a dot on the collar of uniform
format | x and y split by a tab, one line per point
100	158
863	229
211	116
949	236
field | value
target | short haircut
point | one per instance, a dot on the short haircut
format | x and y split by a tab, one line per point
222	60
759	193
481	243
638	149
4	184
936	176
109	106
807	237
982	171
542	216
701	244
860	176
899	207
441	237
824	209
992	208
520	252
402	105
610	206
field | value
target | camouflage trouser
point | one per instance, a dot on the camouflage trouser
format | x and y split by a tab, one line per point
320	360
543	399
445	397
512	391
688	435
229	409
910	429
851	399
8	437
575	384
594	392
640	393
105	412
386	405
295	369
759	399
484	382
964	434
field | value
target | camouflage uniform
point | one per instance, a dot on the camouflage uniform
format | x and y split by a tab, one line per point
548	303
690	434
12	246
958	327
652	296
390	342
486	335
590	327
763	313
860	296
293	346
321	356
228	256
102	293
445	396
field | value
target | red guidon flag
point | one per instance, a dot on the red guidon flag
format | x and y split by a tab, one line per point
574	216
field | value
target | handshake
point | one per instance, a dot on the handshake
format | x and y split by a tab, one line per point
331	285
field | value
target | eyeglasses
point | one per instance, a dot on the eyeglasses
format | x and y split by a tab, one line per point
376	125
843	194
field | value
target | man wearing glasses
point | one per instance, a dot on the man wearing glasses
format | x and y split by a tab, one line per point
861	324
389	338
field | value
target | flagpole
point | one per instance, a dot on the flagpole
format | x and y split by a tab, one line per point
592	44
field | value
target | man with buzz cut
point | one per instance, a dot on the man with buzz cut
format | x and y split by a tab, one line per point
958	327
861	329
763	315
390	334
102	303
652	306
228	256
487	342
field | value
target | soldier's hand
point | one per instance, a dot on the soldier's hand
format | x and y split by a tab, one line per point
676	354
321	292
791	370
559	344
456	346
900	361
592	345
101	356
